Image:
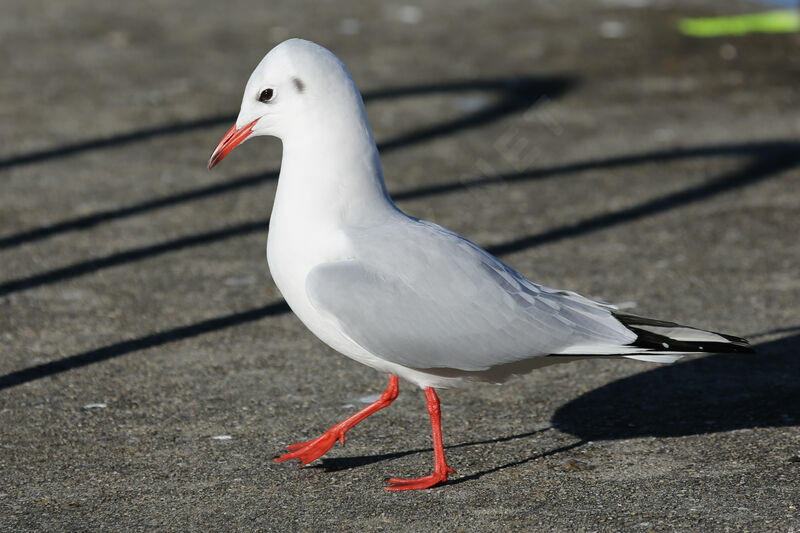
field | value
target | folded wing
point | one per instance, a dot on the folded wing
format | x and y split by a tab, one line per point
421	296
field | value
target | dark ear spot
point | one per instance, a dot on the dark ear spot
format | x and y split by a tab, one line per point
298	84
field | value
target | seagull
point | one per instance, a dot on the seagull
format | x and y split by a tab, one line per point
402	295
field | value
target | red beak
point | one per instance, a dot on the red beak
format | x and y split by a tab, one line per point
230	141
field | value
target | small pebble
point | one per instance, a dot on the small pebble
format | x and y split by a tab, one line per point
573	465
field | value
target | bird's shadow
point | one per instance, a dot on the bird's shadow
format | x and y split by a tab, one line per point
711	394
336	464
706	395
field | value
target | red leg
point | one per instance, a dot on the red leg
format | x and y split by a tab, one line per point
440	468
316	448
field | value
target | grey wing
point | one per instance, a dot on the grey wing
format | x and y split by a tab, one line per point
426	298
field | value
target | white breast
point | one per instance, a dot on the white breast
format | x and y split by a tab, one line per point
294	247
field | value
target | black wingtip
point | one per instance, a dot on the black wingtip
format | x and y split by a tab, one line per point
656	342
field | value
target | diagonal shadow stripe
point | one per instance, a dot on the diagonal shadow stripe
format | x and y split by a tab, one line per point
129	256
754	172
759	149
89	221
514	85
768	164
134	345
114	140
516	94
541	455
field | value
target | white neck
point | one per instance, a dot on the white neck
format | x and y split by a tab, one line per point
331	171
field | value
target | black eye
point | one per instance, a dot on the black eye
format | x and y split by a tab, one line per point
265	96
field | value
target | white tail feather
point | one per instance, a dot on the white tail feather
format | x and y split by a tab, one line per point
655	358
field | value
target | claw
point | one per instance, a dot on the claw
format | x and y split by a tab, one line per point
313	449
310	450
419	483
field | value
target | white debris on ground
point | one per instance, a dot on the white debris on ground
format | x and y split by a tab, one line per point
95	406
627	3
407	14
235	281
612	29
369	398
352	403
222	437
470	103
349	26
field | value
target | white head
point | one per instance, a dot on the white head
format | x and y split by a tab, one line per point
298	86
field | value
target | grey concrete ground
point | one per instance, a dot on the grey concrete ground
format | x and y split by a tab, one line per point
588	144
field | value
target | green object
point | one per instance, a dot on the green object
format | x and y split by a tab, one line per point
781	21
